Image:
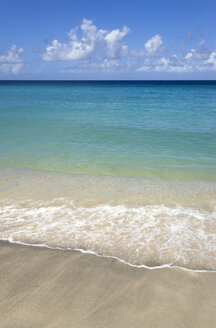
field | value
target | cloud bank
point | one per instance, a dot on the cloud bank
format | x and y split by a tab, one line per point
94	49
93	41
89	49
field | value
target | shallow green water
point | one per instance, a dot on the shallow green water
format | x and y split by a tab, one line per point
163	130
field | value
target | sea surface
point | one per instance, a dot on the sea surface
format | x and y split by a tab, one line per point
125	169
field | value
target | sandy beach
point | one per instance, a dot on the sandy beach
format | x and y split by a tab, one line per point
41	287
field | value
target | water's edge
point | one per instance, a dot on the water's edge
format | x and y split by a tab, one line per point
83	251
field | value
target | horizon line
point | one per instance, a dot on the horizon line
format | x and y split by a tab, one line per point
106	80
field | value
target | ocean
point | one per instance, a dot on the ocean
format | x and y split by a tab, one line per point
124	169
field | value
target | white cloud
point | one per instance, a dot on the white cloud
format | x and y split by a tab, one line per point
75	49
201	58
11	63
172	64
113	39
211	61
147	66
91	41
190	54
152	48
153	45
201	52
197	59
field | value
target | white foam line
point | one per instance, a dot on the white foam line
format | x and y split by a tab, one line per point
141	266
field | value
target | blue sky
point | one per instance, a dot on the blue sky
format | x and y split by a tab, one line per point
107	39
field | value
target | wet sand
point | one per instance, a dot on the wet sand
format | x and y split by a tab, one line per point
40	287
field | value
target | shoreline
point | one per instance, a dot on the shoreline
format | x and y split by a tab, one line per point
90	252
41	287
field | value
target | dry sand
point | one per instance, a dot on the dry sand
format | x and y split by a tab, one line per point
41	287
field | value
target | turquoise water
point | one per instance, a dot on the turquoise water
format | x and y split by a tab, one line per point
133	129
120	169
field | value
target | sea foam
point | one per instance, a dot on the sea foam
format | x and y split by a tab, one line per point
144	235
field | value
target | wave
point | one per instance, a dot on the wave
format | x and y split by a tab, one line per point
146	236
